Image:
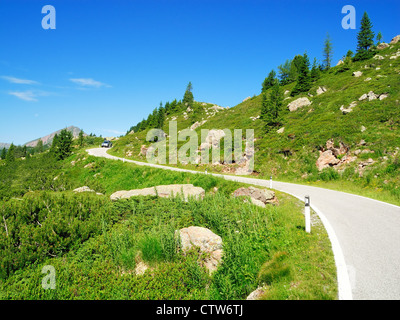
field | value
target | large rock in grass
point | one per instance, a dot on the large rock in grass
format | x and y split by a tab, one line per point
258	293
326	159
321	90
165	191
83	189
382	45
259	197
395	39
298	103
207	242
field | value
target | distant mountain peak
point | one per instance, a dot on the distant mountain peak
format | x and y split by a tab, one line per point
49	138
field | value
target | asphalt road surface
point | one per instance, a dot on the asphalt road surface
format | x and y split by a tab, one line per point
365	235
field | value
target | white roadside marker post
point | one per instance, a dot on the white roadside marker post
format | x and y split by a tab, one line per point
307	214
270	182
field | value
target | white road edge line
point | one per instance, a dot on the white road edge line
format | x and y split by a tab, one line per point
344	286
343	279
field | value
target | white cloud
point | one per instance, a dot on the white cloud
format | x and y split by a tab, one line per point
88	82
24	95
29	95
18	80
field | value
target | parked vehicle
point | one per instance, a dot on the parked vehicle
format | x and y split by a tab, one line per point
106	144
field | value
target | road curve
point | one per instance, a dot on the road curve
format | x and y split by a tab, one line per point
365	235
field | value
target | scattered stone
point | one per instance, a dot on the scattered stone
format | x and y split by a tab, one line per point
143	150
368	79
286	92
395	39
281	130
362	142
349	108
363	97
248	98
257	294
378	57
265	196
197	124
216	108
383	96
255	118
90	165
326	159
363	128
340	62
372	96
208	243
357	74
212	139
328	156
321	90
165	191
382	45
83	189
129	153
298	103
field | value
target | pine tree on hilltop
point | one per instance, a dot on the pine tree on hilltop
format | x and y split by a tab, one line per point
379	37
269	81
365	40
328	52
188	96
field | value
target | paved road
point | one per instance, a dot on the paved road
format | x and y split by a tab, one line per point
365	235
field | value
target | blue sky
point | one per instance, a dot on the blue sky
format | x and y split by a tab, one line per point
108	64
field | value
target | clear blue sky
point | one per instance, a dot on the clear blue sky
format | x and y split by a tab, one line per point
110	63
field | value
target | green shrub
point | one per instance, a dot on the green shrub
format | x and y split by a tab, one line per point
329	174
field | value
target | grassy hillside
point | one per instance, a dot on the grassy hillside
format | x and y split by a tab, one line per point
292	155
95	244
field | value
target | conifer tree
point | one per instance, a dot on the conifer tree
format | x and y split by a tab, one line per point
272	107
284	72
54	144
81	139
39	146
365	40
379	37
315	73
160	116
328	52
10	157
303	83
63	145
269	81
3	153
188	96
